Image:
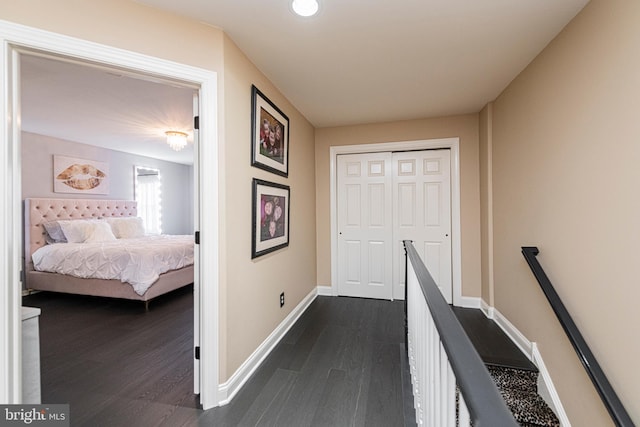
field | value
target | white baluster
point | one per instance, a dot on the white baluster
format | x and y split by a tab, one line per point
465	418
432	378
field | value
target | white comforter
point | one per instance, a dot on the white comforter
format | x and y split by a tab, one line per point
136	261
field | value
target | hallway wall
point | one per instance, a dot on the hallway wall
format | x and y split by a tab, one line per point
565	178
250	300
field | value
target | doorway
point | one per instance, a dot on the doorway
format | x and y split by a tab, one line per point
383	199
17	40
396	253
120	125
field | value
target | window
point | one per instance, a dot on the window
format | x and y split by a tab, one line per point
148	196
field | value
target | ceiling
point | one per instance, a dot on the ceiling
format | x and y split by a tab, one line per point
99	107
364	61
355	62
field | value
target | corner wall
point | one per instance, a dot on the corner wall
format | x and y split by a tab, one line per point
486	203
565	178
465	127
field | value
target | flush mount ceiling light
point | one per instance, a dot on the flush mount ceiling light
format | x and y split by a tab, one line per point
305	7
176	140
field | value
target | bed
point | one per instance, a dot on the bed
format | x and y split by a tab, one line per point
40	211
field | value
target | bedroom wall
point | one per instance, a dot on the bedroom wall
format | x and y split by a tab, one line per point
176	179
251	297
465	127
571	116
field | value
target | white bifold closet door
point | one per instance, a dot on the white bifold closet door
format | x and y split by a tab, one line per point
365	225
422	213
383	199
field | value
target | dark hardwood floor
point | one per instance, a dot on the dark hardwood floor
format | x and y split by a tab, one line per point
111	360
490	341
342	364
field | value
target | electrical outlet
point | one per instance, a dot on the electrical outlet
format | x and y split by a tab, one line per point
281	299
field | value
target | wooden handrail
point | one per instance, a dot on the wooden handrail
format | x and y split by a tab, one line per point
605	390
486	405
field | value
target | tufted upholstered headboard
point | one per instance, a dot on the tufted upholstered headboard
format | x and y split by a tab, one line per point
37	211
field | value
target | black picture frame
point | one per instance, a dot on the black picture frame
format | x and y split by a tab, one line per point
270	217
269	135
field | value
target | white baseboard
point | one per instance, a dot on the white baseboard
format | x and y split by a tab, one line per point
228	390
326	291
487	309
469	302
547	390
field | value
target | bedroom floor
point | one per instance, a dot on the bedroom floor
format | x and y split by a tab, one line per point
342	363
111	360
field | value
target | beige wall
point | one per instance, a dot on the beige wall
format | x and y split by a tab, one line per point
465	127
249	290
571	116
253	286
123	24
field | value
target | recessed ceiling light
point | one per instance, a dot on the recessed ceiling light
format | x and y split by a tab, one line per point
305	7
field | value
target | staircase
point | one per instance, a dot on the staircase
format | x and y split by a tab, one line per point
513	373
519	388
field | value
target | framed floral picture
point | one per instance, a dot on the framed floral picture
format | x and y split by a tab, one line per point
269	135
270	217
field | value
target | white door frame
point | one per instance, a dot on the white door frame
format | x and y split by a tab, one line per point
429	144
15	38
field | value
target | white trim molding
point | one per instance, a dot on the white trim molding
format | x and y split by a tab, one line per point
228	390
487	309
428	144
16	40
546	389
469	302
10	228
326	291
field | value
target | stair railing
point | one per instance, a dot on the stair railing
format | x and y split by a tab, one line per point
442	359
611	401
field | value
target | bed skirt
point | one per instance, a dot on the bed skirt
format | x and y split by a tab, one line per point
54	282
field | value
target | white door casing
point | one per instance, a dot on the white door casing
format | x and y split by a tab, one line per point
422	213
196	248
365	225
14	39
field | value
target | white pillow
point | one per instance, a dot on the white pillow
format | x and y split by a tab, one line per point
101	233
77	231
126	228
